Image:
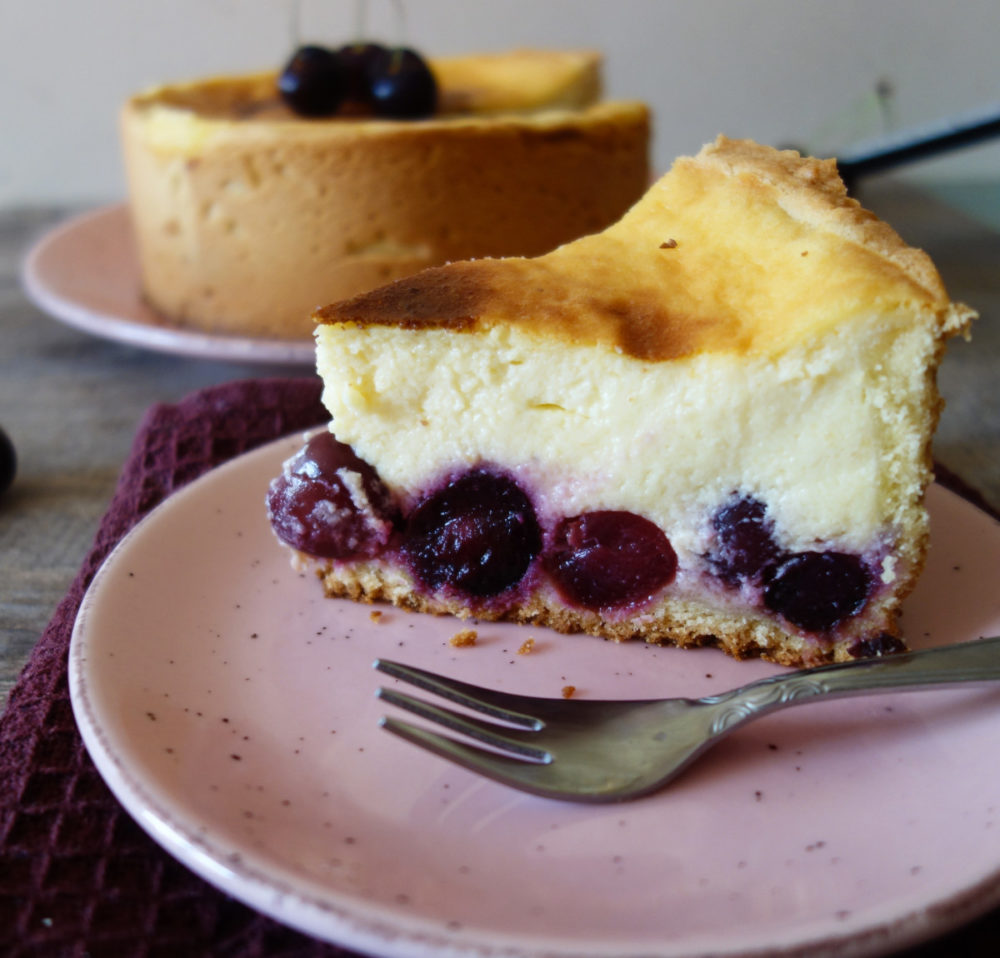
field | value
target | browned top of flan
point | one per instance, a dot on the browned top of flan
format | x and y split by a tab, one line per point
741	248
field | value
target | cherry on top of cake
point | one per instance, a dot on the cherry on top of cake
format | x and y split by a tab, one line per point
364	78
523	81
741	248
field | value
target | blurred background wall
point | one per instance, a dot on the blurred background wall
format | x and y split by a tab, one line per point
821	74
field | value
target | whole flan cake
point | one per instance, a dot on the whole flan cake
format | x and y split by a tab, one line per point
710	423
248	216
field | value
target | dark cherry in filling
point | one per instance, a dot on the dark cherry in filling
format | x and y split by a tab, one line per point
817	590
477	536
876	645
814	591
609	559
744	545
329	503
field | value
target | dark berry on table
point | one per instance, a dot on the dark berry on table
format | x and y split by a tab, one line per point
358	60
8	462
329	503
874	646
609	559
743	540
312	82
402	85
477	536
817	590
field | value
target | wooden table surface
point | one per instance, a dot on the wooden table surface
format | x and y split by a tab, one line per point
71	403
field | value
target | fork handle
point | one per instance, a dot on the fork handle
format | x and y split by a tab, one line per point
977	661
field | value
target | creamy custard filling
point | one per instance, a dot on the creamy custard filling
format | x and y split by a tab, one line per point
679	444
591	429
619	579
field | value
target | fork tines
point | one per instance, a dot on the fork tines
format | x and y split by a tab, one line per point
510	741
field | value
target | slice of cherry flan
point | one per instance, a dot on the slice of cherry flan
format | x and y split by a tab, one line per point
710	423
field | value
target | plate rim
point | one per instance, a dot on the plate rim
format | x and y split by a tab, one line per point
47	295
369	927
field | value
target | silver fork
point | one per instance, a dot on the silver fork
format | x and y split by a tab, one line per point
585	750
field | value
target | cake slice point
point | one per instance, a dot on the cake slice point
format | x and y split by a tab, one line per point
710	423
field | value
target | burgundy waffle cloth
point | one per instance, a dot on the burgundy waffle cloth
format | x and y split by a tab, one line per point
77	876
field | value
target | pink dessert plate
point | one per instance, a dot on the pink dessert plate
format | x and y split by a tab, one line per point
231	709
85	273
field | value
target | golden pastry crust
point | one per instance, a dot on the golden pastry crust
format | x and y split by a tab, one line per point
742	635
659	286
812	192
247	217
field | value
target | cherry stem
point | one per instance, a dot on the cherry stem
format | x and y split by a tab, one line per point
295	23
360	20
401	21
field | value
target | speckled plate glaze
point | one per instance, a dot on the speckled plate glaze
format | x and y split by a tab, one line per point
85	273
232	711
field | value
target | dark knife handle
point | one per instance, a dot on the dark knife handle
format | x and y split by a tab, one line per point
918	143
